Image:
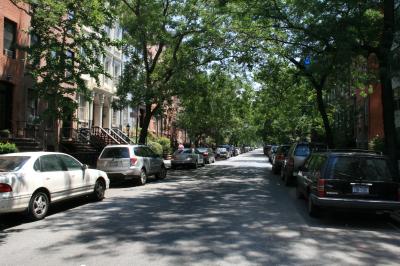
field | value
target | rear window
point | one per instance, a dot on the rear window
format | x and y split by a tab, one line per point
361	168
302	150
12	163
202	149
115	152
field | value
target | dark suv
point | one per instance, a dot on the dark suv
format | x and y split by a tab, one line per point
348	179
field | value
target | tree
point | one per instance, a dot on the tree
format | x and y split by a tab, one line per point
166	41
68	40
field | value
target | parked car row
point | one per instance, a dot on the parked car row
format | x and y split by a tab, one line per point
338	179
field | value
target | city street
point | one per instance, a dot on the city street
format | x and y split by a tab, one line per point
233	212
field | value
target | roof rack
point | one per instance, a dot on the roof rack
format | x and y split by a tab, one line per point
355	150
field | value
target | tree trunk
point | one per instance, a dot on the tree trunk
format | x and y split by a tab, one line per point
146	122
386	83
324	116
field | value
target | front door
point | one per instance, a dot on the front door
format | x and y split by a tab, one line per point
5	106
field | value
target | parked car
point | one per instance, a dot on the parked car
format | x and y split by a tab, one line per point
208	154
229	149
131	162
222	153
297	154
31	181
266	149
237	151
271	152
348	179
191	157
279	158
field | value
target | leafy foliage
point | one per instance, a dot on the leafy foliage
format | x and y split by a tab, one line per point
8	148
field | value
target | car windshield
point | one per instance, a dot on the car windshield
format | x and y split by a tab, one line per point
302	150
12	163
364	168
115	152
202	149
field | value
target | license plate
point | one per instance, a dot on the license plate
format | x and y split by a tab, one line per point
113	164
360	189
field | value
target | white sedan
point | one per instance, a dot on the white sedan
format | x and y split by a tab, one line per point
32	180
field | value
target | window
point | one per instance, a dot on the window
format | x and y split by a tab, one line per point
36	165
69	62
82	109
51	163
10	37
12	163
115	153
70	163
32	106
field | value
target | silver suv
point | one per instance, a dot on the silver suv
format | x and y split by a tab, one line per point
131	162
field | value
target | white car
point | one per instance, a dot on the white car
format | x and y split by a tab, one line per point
32	180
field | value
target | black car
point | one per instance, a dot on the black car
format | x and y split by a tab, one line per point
348	180
279	158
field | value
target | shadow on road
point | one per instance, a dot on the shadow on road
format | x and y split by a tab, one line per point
219	212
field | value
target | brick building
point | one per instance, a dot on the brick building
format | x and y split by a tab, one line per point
15	95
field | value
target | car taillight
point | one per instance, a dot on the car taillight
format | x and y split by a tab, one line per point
279	157
321	187
205	154
4	188
133	161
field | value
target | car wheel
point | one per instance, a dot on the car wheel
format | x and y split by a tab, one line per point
99	190
162	174
143	177
38	205
195	165
313	210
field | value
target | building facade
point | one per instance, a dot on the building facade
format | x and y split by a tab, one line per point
16	106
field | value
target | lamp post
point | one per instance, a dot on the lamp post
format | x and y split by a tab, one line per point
128	127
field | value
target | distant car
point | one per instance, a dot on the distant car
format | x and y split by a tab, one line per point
271	152
266	149
348	180
208	154
222	153
131	162
237	151
297	154
32	180
279	158
187	157
229	149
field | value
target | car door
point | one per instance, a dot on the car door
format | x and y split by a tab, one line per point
79	182
155	161
141	152
303	178
55	177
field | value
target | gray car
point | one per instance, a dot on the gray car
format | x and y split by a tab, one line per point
187	157
131	162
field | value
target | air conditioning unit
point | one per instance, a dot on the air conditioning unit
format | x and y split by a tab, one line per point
9	53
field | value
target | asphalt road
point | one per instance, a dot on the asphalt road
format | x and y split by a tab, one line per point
234	212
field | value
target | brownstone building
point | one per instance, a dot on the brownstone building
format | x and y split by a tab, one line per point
14	85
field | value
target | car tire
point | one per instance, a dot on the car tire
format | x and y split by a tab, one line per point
99	190
38	206
162	174
195	165
313	210
143	177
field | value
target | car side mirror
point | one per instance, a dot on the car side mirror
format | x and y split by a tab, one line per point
84	167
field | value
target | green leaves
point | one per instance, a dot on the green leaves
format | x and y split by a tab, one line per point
70	40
